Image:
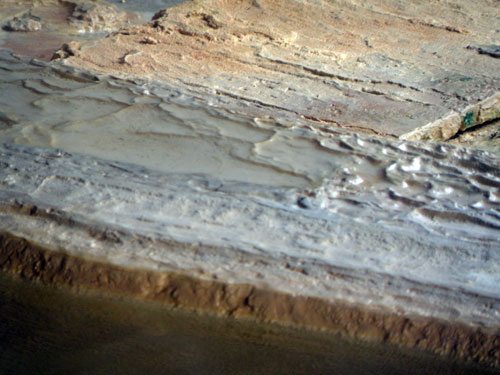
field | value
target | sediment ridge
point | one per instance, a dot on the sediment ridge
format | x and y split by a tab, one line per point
190	241
458	341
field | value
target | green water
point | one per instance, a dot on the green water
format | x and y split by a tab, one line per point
47	330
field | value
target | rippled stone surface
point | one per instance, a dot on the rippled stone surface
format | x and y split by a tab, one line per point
287	198
185	165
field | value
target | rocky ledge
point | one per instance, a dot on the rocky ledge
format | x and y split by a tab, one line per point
383	67
250	164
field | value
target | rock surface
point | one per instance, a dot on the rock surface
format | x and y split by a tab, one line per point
92	16
56	22
486	137
205	208
25	23
224	172
384	67
485	111
379	274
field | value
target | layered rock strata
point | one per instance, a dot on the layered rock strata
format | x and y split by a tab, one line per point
383	67
223	173
378	264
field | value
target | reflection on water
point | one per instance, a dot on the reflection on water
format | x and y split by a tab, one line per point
53	331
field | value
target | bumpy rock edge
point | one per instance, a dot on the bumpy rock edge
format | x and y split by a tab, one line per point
453	340
445	128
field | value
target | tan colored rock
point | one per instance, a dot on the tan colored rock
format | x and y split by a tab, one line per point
439	130
378	67
486	137
26	23
489	109
56	22
374	248
66	50
447	127
95	16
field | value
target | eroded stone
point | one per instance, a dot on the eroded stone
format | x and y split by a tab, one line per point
26	23
378	67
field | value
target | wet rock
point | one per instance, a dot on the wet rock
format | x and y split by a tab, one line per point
26	23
